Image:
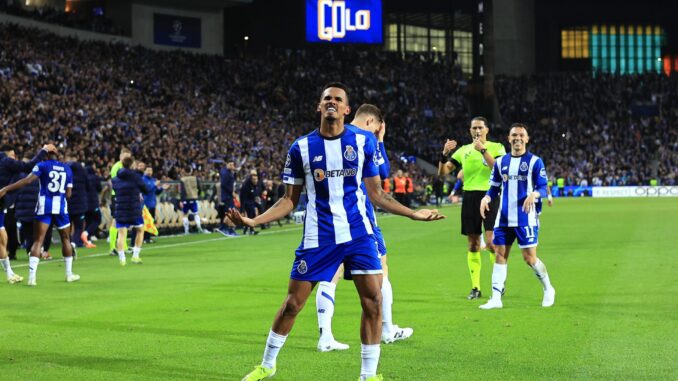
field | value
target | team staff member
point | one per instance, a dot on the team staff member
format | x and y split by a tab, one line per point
77	204
400	188
128	187
228	196
93	214
151	198
476	159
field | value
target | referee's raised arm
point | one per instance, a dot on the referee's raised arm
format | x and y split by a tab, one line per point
445	166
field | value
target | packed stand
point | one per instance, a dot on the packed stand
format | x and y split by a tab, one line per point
602	130
97	98
49	14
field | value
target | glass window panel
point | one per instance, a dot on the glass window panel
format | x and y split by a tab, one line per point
622	53
595	54
639	51
650	59
657	51
613	53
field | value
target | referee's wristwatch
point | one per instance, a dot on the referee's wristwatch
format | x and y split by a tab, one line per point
482	151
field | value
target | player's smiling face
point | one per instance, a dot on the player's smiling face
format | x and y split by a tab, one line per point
333	104
518	138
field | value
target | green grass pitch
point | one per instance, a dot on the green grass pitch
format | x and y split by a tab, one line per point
200	307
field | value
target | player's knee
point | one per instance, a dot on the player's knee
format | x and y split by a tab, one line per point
292	306
371	304
530	260
500	256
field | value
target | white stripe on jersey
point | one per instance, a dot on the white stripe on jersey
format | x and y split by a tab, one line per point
311	217
532	214
360	141
513	191
41	205
56	205
334	160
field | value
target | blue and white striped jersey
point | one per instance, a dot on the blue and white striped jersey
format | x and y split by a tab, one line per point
384	172
516	177
54	178
332	170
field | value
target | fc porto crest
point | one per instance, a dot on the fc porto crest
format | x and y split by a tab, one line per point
302	268
288	161
523	166
349	153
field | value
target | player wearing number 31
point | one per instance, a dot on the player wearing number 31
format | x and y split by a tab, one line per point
519	178
56	183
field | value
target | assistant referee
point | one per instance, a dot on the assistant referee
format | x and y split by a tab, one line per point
476	159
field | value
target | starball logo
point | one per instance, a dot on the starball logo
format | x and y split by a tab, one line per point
341	19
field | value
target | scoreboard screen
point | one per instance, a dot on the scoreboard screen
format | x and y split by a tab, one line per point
344	21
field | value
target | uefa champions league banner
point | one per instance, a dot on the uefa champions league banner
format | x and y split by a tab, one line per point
344	21
636	191
179	31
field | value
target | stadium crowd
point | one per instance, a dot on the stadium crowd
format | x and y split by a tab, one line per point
607	130
178	111
50	14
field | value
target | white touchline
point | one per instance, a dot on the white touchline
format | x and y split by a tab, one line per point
165	246
42	263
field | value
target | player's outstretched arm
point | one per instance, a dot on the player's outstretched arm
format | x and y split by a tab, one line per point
391	205
280	209
19	184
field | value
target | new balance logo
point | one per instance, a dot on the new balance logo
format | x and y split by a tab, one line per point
318	158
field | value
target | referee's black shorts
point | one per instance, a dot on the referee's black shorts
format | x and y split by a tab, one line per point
471	221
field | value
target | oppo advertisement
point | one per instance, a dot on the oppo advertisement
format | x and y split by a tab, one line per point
344	21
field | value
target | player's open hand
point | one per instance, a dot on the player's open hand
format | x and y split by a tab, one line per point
528	205
450	145
239	219
484	206
427	215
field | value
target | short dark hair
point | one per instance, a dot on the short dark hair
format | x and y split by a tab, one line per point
51	155
482	119
338	85
127	162
6	148
519	125
369	109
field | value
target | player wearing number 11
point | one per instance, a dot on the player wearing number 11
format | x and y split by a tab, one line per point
519	178
56	183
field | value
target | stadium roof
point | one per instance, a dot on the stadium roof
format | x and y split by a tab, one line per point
195	4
